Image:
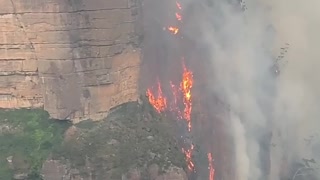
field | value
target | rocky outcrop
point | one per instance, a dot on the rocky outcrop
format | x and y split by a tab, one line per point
75	58
132	143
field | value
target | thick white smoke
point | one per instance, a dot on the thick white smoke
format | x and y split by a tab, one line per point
244	47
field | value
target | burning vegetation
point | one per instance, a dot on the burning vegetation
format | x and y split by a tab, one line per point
159	102
179	103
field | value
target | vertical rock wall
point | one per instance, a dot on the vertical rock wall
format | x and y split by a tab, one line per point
75	58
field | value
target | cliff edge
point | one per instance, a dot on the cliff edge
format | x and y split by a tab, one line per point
74	58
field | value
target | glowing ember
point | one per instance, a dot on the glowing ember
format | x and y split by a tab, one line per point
178	16
211	169
186	85
188	154
160	102
173	30
178	5
183	90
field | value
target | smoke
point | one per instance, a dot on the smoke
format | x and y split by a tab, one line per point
274	103
274	116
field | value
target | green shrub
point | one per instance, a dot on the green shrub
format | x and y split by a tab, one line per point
30	137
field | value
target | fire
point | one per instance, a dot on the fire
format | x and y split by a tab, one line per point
186	85
180	91
159	102
178	16
178	5
211	169
188	154
173	30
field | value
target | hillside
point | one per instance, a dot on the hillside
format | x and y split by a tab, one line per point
133	142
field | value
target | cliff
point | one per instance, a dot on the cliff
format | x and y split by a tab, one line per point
74	58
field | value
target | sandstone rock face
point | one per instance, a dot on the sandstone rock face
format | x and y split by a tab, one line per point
74	58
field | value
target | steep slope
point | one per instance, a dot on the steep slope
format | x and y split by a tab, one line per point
133	142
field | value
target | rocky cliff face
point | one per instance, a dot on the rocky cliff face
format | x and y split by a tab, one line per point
75	58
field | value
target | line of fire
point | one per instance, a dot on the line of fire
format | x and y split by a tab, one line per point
177	87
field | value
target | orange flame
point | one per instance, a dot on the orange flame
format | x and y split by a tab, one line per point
184	91
178	5
173	30
211	169
188	154
186	85
178	16
159	102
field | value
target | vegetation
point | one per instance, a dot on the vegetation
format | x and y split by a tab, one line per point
133	136
27	137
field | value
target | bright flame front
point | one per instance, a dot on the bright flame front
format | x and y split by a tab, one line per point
159	102
186	85
173	30
211	169
183	90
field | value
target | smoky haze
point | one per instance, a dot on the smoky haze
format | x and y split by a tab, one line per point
263	62
274	116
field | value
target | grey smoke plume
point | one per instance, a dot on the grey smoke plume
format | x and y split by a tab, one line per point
275	118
